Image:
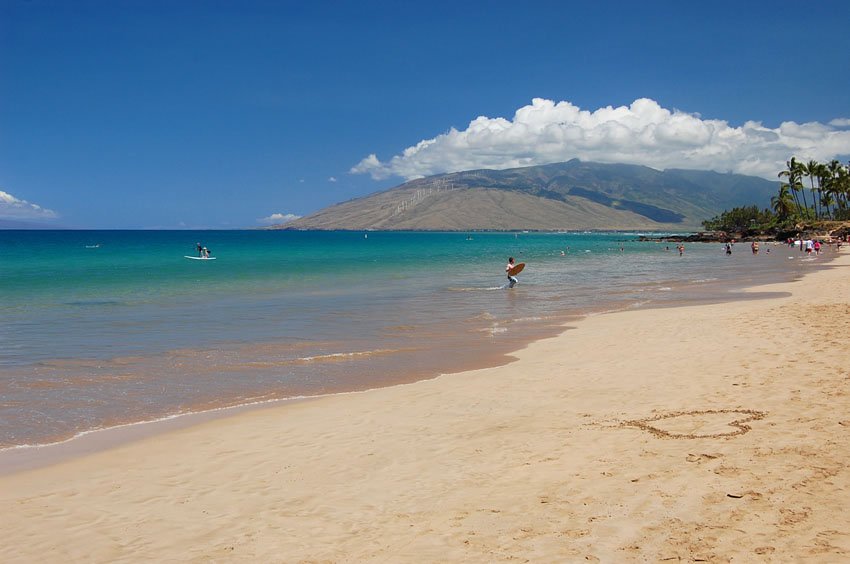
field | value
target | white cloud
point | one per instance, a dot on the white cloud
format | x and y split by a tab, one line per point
278	218
642	133
332	179
840	122
14	208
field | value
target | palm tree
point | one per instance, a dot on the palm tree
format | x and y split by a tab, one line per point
838	185
843	188
826	181
794	174
783	204
811	170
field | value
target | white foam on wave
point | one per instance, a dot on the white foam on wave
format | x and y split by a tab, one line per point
242	405
148	421
345	354
478	289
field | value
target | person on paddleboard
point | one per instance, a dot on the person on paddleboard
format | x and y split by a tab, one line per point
512	281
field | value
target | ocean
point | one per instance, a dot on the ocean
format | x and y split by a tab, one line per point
106	328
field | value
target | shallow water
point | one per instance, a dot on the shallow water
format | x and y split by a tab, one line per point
102	328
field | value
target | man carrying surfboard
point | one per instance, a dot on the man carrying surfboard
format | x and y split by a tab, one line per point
512	281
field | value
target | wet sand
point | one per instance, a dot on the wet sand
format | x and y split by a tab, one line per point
710	432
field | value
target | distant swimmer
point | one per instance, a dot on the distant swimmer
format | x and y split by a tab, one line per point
755	247
512	281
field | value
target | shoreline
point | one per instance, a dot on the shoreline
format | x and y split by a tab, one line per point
543	458
19	458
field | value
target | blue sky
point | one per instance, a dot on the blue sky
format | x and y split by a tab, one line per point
215	114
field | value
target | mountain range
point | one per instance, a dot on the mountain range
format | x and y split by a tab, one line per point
572	195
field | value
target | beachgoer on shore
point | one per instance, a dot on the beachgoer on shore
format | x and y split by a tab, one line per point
512	281
817	247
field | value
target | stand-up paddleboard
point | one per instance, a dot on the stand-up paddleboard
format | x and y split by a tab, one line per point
516	269
198	258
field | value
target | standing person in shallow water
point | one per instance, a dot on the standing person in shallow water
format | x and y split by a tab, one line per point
512	281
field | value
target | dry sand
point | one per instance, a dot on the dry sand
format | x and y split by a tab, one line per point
718	432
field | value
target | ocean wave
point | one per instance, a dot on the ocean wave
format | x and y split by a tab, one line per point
475	289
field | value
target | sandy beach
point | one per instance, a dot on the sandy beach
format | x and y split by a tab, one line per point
701	433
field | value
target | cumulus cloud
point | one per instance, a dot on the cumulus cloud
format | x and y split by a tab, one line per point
14	208
642	133
278	218
840	122
332	179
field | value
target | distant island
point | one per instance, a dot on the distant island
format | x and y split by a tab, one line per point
573	195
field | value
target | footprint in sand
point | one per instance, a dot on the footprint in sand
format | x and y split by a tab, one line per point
700	458
698	424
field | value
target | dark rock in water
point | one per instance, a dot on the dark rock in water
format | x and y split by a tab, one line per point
702	237
827	231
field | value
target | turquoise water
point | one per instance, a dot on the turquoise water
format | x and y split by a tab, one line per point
101	328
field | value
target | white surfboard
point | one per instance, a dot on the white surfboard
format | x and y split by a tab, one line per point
199	258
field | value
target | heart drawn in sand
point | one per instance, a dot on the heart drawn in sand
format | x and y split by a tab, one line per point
698	424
